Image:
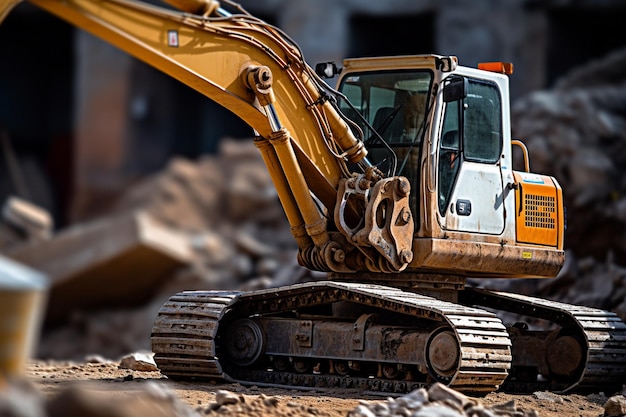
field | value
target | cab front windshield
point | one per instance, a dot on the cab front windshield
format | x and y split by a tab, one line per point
394	104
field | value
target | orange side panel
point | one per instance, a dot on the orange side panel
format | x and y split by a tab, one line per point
538	210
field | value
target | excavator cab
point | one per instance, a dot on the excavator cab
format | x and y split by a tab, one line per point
446	129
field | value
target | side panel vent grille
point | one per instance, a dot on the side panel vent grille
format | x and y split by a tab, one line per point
540	211
537	211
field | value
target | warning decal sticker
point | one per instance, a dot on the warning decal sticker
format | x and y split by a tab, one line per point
172	38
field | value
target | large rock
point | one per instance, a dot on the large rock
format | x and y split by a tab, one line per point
139	361
615	406
110	262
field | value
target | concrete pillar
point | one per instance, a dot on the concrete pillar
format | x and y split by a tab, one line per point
319	27
101	77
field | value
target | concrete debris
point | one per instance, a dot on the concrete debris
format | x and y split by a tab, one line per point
227	207
437	401
230	403
599	72
111	262
548	396
138	361
21	399
223	397
441	393
154	399
22	222
215	223
35	222
615	406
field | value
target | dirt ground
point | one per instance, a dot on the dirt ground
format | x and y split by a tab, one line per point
107	379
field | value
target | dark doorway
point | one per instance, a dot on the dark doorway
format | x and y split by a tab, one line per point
578	35
172	120
36	109
179	120
375	35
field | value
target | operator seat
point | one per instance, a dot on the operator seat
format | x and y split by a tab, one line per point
448	165
395	126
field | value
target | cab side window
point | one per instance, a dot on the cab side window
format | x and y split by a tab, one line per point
449	151
482	122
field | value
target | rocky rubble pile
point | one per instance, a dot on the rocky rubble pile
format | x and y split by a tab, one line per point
227	210
227	206
21	399
577	133
438	401
230	403
155	399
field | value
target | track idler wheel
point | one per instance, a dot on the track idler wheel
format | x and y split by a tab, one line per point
442	355
390	371
341	368
566	356
245	342
281	363
301	365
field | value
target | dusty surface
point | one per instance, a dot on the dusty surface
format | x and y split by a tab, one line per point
107	379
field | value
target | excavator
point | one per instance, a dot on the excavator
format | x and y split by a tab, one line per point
399	184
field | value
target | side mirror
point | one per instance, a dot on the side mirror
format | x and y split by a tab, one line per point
327	69
455	89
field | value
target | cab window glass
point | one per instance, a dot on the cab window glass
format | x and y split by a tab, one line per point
393	103
482	120
449	150
380	98
354	95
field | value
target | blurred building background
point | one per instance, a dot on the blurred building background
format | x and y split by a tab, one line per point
82	121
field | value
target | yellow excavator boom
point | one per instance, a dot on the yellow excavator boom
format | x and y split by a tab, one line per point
256	72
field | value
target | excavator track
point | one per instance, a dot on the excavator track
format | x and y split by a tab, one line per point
187	334
601	336
184	332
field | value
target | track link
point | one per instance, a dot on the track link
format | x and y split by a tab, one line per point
602	331
186	334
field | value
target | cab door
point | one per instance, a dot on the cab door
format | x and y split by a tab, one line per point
469	177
